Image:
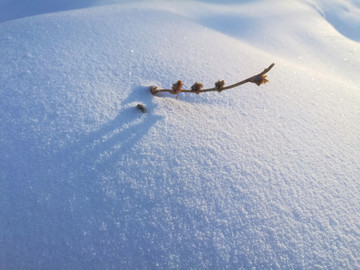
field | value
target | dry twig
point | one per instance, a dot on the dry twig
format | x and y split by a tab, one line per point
219	85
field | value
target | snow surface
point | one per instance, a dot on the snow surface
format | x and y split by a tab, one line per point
256	177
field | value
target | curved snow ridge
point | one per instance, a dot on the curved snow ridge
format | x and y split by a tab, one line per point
344	16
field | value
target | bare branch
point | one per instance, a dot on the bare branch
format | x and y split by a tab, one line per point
219	85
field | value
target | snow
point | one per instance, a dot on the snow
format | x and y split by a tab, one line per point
255	177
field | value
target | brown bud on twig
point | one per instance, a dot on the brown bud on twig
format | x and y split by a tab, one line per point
176	88
259	79
153	89
219	85
196	87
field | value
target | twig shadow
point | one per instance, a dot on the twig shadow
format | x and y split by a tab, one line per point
101	149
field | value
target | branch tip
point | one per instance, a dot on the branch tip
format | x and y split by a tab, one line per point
154	89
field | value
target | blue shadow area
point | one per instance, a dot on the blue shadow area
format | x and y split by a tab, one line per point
55	213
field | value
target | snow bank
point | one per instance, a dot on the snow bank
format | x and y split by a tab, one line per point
263	177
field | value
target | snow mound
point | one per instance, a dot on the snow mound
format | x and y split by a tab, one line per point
343	15
263	177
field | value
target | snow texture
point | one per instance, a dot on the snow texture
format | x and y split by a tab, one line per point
252	178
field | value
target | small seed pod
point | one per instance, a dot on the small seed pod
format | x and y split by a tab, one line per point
141	107
219	85
196	87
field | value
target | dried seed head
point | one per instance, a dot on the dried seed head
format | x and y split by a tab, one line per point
141	107
259	79
176	88
219	85
196	87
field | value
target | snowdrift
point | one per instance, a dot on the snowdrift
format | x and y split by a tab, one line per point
263	177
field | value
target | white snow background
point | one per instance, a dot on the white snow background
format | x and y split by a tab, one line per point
252	178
